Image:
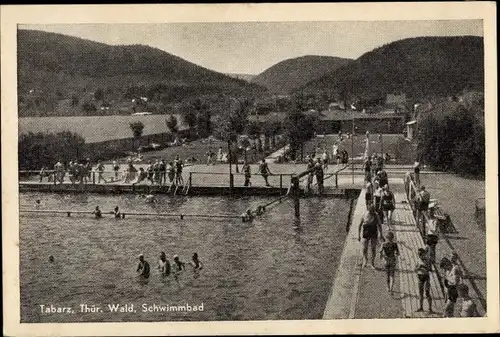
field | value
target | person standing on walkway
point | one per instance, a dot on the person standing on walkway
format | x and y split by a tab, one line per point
422	200
320	174
100	171
390	252
179	180
116	168
423	270
431	234
388	204
451	280
264	171
171	173
326	158
382	177
416	172
163	172
247	173
310	175
370	229
369	195
368	168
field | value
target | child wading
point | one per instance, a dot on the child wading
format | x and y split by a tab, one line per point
423	270
390	252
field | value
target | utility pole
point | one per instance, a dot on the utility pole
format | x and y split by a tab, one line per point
352	147
231	178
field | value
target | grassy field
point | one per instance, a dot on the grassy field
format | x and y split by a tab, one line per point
400	150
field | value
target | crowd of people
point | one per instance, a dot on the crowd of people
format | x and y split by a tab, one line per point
380	204
165	268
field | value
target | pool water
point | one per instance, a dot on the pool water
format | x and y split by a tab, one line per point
271	268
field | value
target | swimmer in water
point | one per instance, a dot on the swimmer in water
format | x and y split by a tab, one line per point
117	213
164	264
150	198
51	259
97	213
195	262
178	264
37	203
143	267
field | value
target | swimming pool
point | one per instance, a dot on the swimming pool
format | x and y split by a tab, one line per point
271	268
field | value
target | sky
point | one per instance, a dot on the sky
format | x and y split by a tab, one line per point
252	47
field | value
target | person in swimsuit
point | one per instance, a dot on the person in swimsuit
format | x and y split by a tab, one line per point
246	171
377	198
195	262
117	213
150	172
390	252
163	172
116	168
423	269
171	172
310	176
382	177
97	213
369	195
469	308
140	177
371	229
264	171
431	234
100	170
320	174
388	205
368	170
422	200
451	280
178	264
178	172
164	265
143	267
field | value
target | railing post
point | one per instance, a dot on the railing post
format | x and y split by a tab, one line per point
336	180
93	177
190	178
54	175
295	194
281	183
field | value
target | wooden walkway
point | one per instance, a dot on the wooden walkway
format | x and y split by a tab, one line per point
409	241
344	296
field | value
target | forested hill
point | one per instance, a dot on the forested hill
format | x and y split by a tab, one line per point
420	67
291	74
55	67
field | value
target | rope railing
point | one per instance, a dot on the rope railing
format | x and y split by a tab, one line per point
126	213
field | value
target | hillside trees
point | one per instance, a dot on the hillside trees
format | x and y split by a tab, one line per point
298	128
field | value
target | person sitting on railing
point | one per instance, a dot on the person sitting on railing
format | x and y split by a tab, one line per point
140	177
451	281
43	173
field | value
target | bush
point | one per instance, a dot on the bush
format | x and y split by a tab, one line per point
45	149
451	138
